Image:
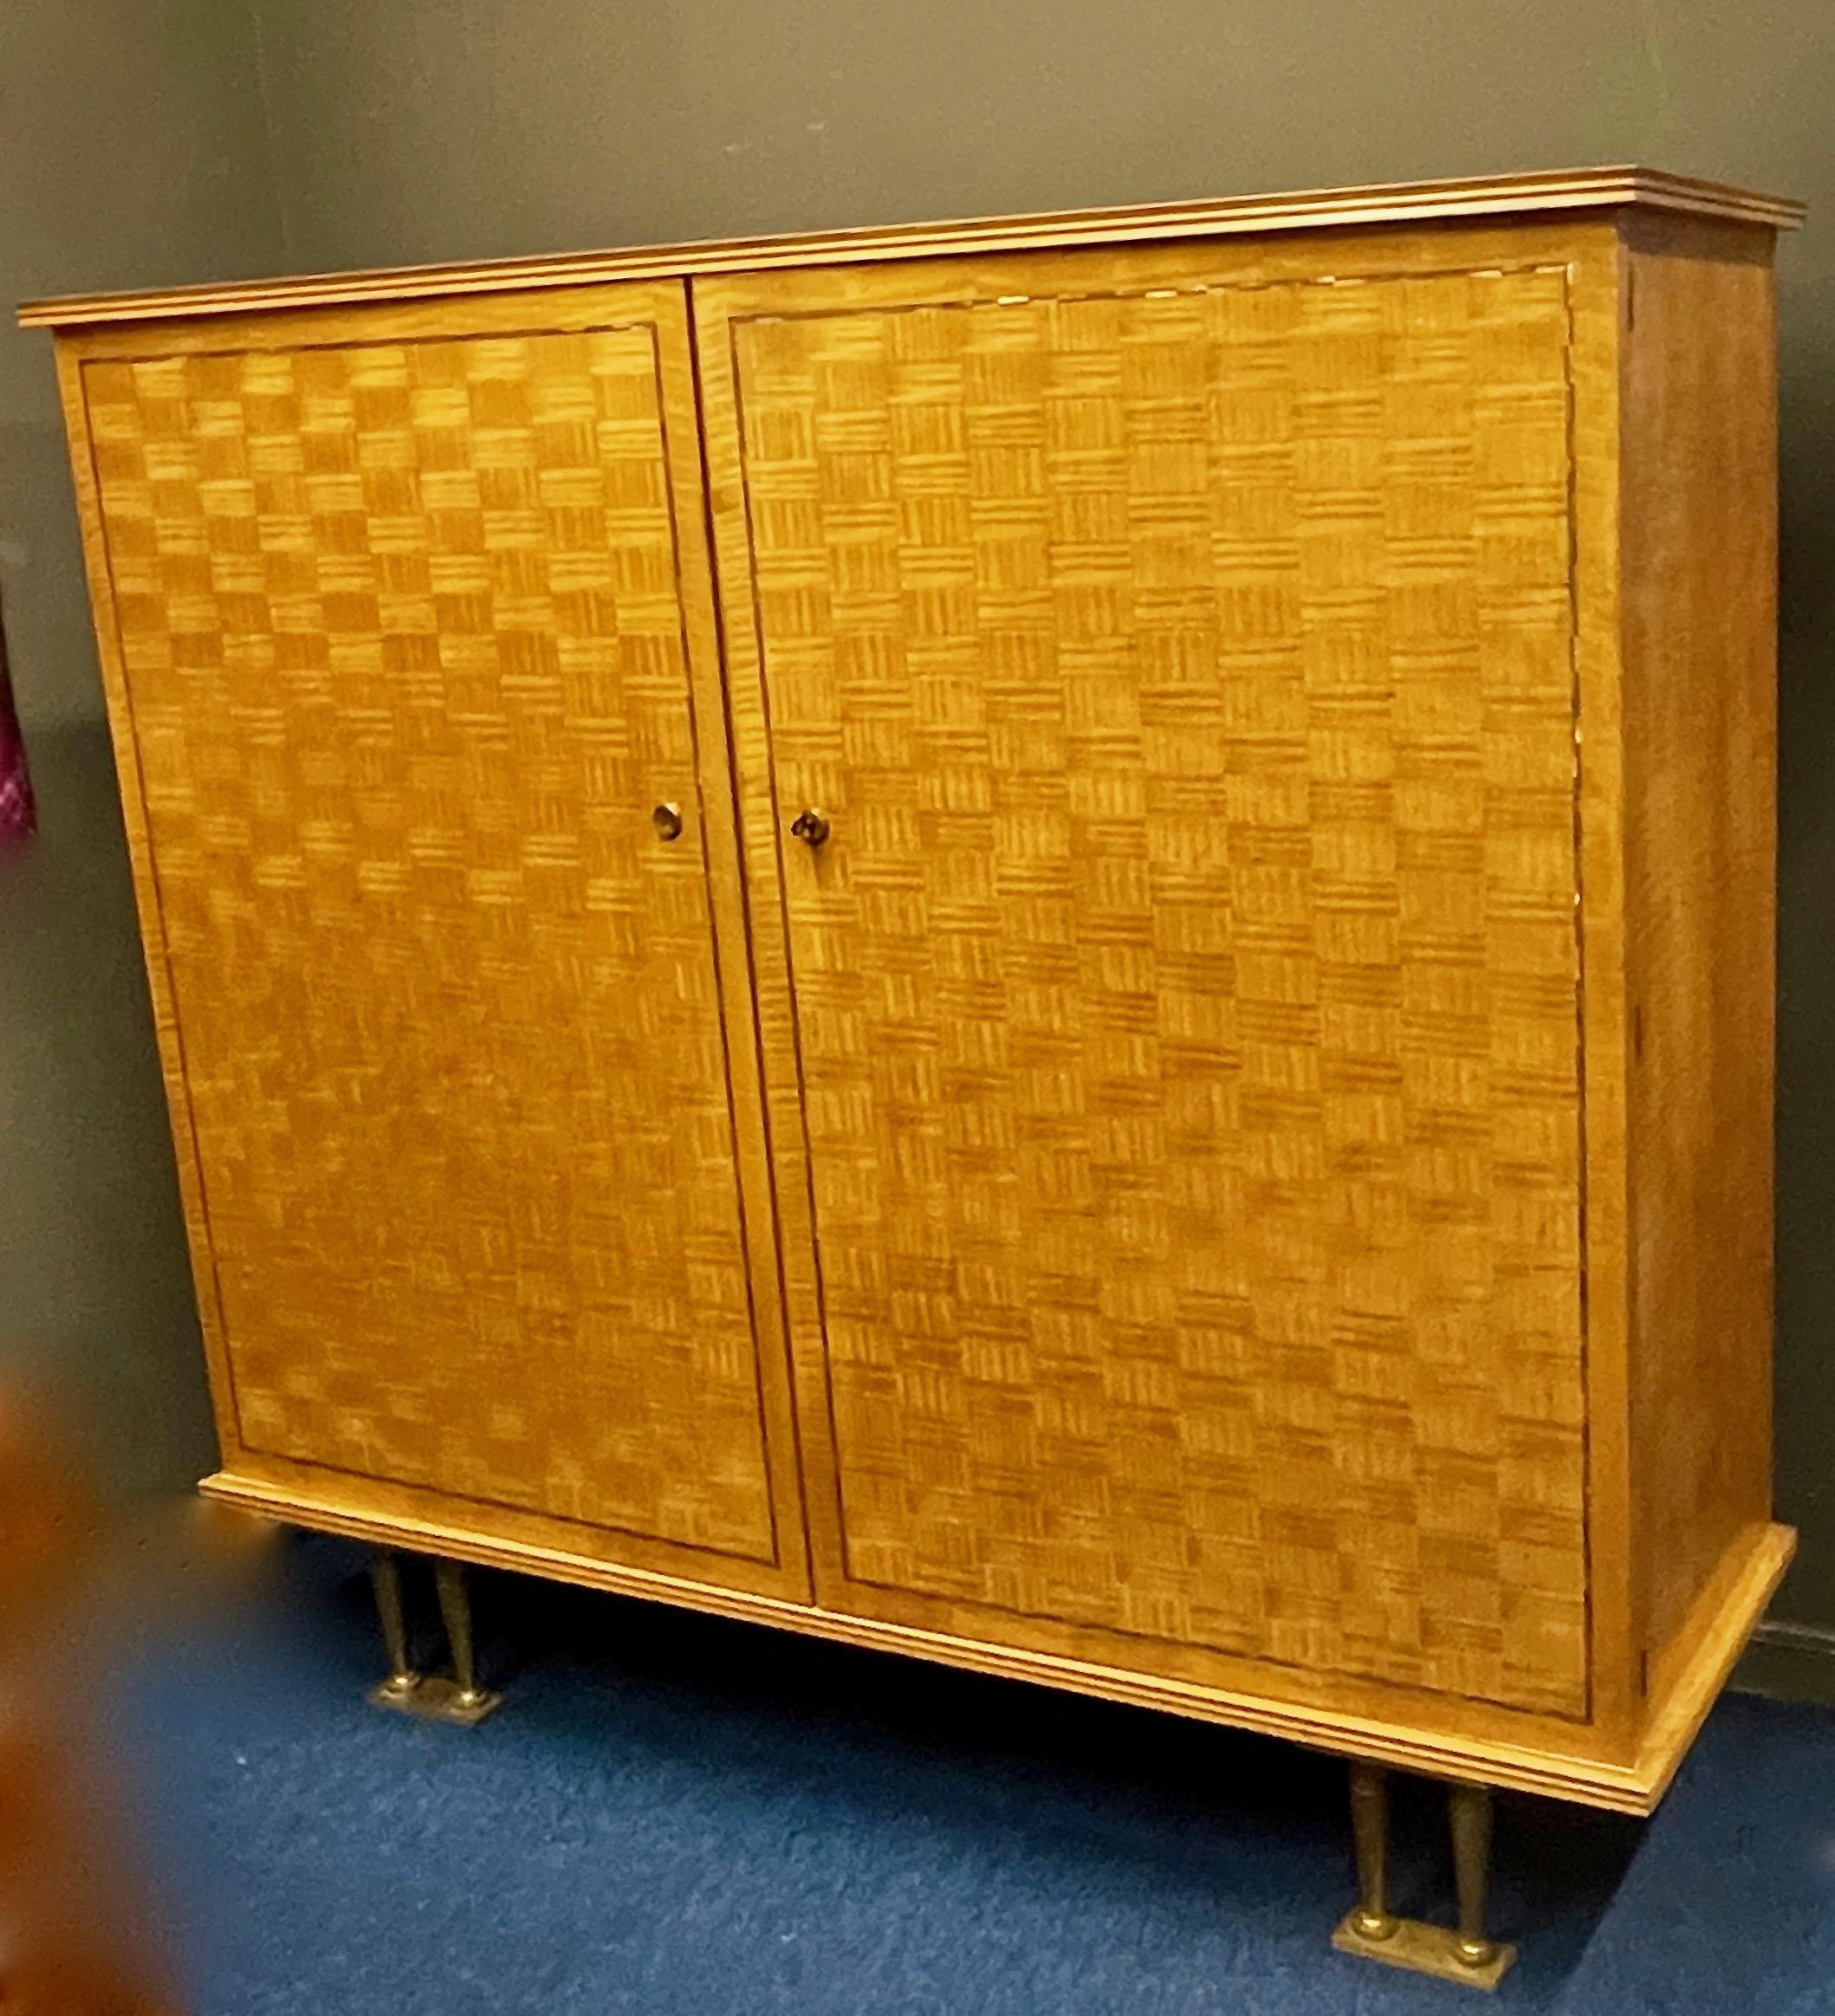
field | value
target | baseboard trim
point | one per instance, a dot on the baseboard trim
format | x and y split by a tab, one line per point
1789	1662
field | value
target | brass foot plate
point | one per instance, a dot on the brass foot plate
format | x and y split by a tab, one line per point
1425	1950
437	1699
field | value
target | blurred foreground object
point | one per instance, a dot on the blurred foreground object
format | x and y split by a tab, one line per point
78	1936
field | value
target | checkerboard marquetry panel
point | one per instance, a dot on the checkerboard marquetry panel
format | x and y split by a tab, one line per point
1187	999
402	634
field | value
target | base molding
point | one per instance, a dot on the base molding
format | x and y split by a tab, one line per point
1617	1787
1700	1662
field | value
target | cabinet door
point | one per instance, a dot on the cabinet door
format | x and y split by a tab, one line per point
1176	1037
409	623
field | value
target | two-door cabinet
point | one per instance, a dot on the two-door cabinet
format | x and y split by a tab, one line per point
1048	943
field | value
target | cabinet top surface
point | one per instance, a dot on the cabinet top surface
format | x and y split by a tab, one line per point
1495	196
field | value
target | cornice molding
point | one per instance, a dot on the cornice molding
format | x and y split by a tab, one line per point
1498	196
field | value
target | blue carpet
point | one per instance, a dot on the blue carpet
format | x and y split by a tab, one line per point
686	1817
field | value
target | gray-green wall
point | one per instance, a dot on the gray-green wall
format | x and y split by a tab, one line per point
187	141
132	147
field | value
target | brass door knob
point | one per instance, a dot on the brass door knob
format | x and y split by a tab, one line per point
667	820
810	828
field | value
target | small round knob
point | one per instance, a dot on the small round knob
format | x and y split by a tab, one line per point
667	820
810	828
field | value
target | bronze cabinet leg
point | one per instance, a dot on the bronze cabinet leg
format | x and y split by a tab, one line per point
1370	1830
1372	1930
454	1606
432	1696
1469	1811
403	1680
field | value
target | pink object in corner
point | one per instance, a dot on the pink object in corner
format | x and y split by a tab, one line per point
17	814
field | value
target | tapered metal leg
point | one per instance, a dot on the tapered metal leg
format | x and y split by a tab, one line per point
454	1606
1369	1830
403	1680
1469	1809
1373	1931
432	1696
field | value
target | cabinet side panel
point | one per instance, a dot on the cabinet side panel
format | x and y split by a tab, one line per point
1700	732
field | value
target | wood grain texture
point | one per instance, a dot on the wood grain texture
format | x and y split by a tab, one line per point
1700	1657
403	638
1186	1001
1530	196
1700	557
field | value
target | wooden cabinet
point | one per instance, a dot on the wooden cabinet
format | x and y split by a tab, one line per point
1048	943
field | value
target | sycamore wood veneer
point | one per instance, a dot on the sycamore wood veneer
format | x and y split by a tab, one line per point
1237	1176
